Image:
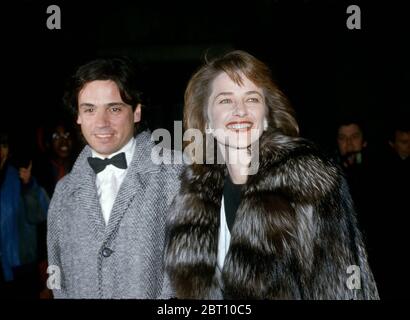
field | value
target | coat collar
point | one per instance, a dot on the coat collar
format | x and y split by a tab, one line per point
83	184
141	161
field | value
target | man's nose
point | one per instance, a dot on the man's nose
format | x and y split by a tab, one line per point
349	143
101	118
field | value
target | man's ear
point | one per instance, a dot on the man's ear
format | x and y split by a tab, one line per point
137	113
364	144
78	119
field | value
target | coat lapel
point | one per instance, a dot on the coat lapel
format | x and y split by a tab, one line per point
132	188
85	191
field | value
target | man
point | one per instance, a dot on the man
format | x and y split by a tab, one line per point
353	157
400	141
392	200
107	216
351	142
396	163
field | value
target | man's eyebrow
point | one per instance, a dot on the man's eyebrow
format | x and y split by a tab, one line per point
86	105
113	104
110	104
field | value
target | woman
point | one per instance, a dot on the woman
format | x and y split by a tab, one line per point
284	231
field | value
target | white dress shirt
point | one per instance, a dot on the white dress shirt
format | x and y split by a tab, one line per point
109	180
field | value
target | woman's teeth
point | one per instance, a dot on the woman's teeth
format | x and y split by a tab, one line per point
237	126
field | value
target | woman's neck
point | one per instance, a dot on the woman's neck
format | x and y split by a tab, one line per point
237	162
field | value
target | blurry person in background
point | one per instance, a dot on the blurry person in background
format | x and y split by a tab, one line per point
60	151
23	206
351	142
352	155
393	208
359	169
54	160
399	141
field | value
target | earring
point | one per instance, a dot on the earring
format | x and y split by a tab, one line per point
265	124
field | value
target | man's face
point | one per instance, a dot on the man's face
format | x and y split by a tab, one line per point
350	139
402	144
106	121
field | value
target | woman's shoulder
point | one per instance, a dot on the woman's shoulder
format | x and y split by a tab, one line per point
299	164
285	147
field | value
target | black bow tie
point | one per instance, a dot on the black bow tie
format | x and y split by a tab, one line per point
99	165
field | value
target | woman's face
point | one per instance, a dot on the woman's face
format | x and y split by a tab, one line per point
236	113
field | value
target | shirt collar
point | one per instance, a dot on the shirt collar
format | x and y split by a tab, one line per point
128	149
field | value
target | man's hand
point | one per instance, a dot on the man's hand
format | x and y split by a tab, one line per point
25	174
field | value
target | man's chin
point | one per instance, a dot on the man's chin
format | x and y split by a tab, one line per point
103	151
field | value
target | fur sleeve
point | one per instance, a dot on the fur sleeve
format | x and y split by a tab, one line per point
327	244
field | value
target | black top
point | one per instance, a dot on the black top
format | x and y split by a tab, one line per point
232	199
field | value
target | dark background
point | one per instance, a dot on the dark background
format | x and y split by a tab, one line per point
325	69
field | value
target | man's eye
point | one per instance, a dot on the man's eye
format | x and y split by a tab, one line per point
115	109
88	110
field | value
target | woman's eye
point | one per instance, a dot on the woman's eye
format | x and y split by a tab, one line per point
224	101
253	99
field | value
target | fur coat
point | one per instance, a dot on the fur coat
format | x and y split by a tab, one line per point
294	236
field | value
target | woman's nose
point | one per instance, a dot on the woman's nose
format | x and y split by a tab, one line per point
240	109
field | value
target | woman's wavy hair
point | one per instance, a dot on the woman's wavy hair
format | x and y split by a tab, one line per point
280	114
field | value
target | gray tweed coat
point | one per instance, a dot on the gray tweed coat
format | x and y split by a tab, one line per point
125	258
